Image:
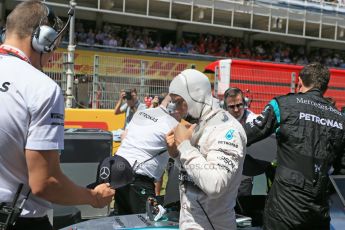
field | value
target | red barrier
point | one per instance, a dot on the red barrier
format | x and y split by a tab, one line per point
261	81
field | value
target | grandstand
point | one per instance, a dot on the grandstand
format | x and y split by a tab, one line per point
287	31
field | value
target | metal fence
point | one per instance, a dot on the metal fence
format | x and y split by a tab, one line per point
99	79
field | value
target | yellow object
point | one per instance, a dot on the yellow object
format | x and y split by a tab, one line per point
157	67
95	118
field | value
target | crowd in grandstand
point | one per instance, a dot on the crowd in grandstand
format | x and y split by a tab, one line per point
111	36
326	1
333	1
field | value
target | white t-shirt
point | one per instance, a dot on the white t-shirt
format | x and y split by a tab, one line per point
145	138
31	115
130	112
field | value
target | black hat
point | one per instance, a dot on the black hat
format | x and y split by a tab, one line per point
114	170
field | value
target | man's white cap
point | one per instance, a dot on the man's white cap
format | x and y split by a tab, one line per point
195	88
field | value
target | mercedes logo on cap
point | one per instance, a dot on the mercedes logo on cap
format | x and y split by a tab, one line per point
104	173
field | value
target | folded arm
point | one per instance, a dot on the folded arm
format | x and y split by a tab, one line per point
222	164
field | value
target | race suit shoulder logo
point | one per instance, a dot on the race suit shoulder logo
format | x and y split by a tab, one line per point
104	173
230	134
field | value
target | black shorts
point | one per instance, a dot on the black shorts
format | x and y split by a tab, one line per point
131	199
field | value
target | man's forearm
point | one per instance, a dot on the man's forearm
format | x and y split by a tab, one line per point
61	190
47	181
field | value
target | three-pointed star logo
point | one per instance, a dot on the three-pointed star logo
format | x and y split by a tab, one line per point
104	173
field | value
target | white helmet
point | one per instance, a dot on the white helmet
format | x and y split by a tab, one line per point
195	88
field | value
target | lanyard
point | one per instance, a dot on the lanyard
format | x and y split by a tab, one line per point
14	52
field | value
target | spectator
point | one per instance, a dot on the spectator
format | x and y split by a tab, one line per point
131	105
90	37
139	38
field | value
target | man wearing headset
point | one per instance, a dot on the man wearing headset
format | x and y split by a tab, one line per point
210	153
235	103
32	121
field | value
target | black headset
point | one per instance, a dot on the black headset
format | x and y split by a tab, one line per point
2	34
233	91
43	39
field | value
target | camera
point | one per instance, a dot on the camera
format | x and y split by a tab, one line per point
128	95
160	99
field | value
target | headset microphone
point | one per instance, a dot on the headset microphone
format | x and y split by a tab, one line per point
70	15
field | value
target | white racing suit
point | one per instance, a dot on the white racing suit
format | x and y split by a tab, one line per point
213	160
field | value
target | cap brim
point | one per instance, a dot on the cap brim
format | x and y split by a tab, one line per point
92	185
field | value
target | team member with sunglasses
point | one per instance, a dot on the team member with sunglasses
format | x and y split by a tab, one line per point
235	104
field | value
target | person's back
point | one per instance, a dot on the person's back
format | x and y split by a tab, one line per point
32	115
20	102
145	148
145	138
311	139
312	128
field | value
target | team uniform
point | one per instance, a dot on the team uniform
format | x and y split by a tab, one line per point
310	136
211	159
32	115
145	138
211	172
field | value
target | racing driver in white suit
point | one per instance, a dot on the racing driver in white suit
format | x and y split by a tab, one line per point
210	153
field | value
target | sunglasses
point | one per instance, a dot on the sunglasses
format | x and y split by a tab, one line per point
240	106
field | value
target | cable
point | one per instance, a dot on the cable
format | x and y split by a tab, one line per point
70	15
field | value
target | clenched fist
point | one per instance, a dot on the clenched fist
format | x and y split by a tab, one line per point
183	132
103	195
172	148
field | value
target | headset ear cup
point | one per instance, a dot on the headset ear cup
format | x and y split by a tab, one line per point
225	106
226	94
42	39
34	38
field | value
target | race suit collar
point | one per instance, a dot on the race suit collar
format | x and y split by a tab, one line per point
314	91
